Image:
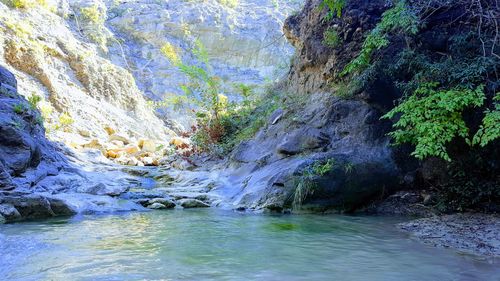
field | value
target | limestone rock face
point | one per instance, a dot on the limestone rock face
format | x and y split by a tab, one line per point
244	42
80	89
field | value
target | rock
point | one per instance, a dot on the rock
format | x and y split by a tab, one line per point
276	116
118	144
84	133
33	206
192	203
131	149
103	189
167	203
23	145
133	162
116	137
112	154
9	213
156	206
148	161
110	131
147	145
93	144
5	179
302	139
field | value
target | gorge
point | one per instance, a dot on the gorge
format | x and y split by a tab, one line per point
299	132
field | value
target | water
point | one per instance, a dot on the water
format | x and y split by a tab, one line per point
220	245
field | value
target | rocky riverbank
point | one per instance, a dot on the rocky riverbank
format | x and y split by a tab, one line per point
470	233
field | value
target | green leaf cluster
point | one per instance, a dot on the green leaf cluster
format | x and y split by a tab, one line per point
490	128
398	19
431	117
335	8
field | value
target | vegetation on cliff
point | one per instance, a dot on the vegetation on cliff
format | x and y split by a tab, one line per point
442	58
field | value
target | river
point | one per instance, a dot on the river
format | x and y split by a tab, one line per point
211	244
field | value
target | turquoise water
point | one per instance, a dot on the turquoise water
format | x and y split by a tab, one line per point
221	245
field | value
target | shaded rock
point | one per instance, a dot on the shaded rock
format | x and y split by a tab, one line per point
33	206
192	203
300	140
167	203
9	213
103	189
156	206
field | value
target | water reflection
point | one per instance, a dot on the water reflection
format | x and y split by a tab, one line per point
217	245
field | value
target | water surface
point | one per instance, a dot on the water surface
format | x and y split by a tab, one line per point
221	245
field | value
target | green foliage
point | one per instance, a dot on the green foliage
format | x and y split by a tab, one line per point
19	108
331	38
305	182
93	14
490	128
221	124
27	4
399	19
34	100
65	121
334	7
432	117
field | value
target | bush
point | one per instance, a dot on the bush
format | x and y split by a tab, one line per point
27	4
304	185
34	100
334	7
396	20
19	108
432	117
93	14
331	38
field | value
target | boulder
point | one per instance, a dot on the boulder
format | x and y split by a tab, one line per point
156	206
131	149
103	189
147	145
93	144
32	206
116	137
192	203
84	133
164	201
110	131
9	213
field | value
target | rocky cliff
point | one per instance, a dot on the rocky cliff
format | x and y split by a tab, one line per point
331	121
75	89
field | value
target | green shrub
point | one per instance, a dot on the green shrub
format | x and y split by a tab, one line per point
331	38
27	4
19	108
334	7
396	20
93	14
304	184
431	117
490	127
34	100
